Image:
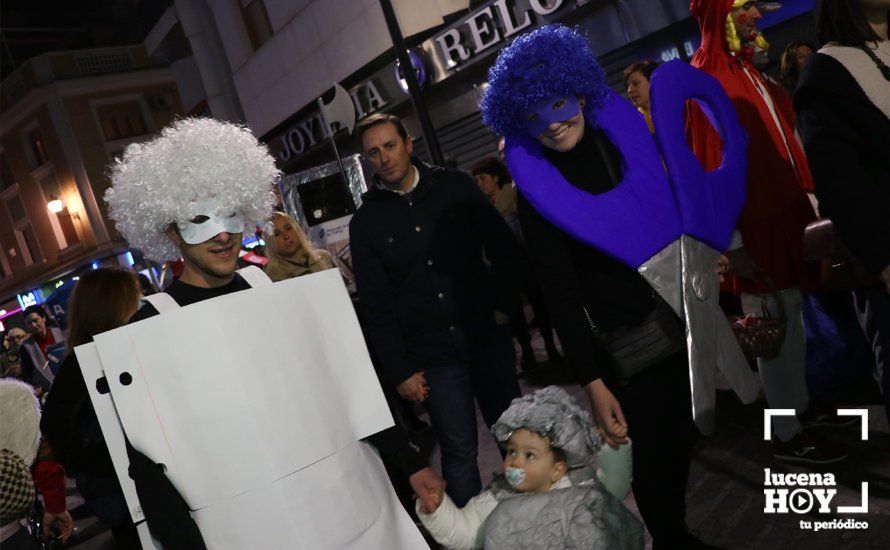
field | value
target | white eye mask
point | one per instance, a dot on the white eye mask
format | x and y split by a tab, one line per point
216	223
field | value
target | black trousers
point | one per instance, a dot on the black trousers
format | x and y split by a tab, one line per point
489	380
658	409
531	286
873	310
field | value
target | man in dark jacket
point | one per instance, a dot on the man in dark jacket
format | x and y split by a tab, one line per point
435	267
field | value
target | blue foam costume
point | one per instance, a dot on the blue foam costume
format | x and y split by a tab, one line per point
670	227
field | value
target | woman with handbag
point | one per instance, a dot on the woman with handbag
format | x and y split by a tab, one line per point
617	333
843	103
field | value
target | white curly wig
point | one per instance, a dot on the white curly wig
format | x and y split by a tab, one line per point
195	159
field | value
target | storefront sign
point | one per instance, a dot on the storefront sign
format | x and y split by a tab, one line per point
492	24
367	98
30	298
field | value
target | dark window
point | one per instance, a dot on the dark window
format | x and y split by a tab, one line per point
122	120
30	240
16	208
38	147
6	177
256	20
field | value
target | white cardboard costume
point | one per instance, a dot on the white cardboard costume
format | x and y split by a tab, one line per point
255	402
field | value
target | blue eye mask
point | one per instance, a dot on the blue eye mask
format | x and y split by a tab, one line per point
542	114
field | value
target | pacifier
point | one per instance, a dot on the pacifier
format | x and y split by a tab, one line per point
515	476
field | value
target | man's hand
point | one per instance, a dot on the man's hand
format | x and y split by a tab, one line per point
885	276
415	388
429	488
607	414
63	521
741	264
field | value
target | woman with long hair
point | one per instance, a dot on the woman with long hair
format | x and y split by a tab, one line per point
794	58
103	299
290	251
843	102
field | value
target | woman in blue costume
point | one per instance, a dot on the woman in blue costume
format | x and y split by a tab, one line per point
547	95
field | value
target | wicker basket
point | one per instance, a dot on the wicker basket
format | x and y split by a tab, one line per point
763	340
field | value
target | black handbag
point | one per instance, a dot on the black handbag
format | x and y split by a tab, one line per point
658	336
635	348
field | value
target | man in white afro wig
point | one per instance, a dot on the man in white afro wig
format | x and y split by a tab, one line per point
191	192
199	178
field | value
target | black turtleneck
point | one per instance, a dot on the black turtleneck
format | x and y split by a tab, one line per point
584	166
573	274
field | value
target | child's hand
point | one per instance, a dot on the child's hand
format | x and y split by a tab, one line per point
431	503
618	428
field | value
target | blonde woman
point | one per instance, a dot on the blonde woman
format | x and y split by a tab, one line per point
290	251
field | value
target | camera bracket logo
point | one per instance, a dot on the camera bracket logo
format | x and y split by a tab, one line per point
799	493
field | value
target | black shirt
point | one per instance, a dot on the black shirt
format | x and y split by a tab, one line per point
574	275
186	294
164	508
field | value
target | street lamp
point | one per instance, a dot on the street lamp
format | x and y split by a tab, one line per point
55	204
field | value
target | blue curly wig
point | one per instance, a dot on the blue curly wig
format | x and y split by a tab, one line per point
552	60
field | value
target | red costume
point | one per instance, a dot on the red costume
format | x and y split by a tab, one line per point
777	208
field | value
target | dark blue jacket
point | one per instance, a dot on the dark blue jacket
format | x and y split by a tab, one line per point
431	267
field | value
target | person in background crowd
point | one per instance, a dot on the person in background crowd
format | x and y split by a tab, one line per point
436	272
35	365
539	86
794	58
636	82
844	105
69	422
26	463
290	251
145	285
12	345
777	209
495	182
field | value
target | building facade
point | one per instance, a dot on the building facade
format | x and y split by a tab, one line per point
65	117
266	61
